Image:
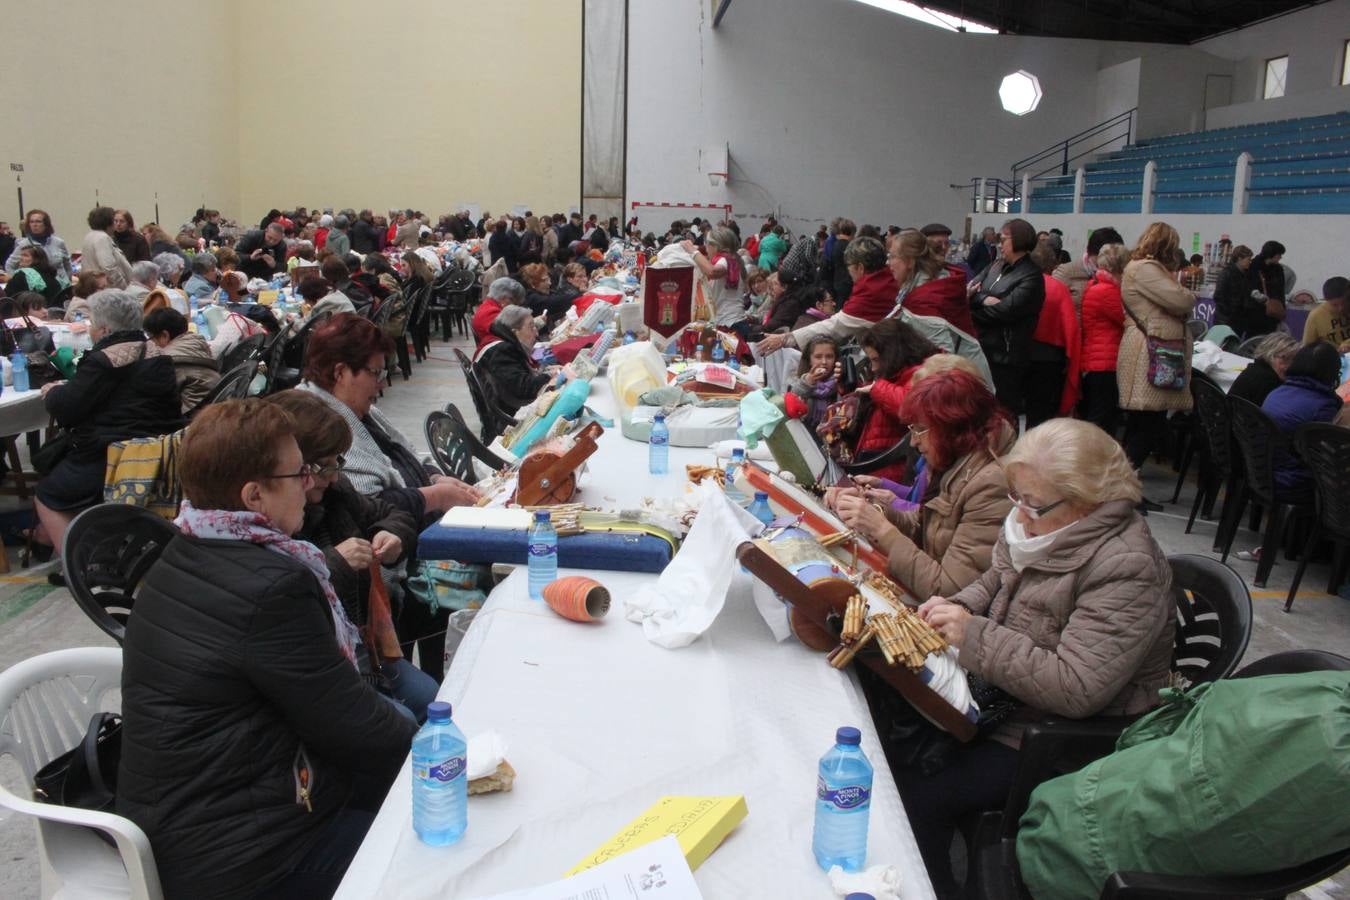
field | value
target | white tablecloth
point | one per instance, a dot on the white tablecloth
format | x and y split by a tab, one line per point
1219	365
21	412
600	724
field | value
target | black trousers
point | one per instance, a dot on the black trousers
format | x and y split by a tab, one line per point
1100	403
1009	386
1044	386
978	780
1144	431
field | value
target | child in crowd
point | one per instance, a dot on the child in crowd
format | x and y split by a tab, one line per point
815	382
821	310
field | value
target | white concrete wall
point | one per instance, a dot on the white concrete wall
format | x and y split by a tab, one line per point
1315	244
1314	40
836	108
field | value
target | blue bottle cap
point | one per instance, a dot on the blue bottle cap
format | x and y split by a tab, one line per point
438	711
859	895
738	453
660	417
848	735
762	495
541	515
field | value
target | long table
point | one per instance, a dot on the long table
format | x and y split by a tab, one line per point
600	723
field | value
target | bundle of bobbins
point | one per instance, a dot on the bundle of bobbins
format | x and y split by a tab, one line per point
900	635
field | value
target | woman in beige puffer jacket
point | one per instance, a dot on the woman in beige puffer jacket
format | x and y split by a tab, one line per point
1153	298
1075	618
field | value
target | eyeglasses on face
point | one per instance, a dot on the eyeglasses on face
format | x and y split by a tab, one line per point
1035	512
331	469
306	473
377	374
917	431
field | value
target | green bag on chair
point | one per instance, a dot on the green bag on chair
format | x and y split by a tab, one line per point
1235	777
446	584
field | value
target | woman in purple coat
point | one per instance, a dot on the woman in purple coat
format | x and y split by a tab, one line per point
1308	394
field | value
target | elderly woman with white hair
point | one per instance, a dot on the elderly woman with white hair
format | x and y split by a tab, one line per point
123	388
505	357
201	284
1074	618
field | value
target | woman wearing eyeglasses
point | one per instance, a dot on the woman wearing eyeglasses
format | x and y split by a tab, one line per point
253	752
1075	618
344	367
358	535
945	543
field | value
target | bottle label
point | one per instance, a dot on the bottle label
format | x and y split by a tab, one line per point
542	549
848	797
659	439
449	770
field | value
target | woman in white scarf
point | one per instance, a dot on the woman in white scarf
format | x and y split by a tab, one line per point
1074	618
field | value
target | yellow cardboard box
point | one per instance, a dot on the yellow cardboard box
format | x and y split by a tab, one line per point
699	823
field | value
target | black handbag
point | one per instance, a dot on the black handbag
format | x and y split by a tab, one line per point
52	451
85	777
38	347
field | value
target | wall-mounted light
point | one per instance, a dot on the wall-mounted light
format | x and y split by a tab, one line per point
1020	92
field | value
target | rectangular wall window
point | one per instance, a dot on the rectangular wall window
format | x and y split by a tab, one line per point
1345	63
1276	70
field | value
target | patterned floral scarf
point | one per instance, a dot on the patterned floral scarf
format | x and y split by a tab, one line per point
256	528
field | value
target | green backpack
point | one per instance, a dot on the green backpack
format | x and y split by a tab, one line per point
1234	777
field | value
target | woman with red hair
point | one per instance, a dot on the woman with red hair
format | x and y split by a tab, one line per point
948	541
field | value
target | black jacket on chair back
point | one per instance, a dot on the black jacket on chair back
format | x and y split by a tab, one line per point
232	679
1006	327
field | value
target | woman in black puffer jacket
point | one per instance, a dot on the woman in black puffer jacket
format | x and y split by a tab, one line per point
254	754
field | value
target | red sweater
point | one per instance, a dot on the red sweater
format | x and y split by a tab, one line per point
944	297
482	320
1103	323
873	296
883	428
1058	327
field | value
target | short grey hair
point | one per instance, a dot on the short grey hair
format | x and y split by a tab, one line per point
867	252
203	263
514	316
1277	345
724	239
506	289
169	264
146	273
341	221
114	310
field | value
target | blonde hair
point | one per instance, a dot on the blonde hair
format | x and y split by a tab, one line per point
156	299
1112	258
945	362
1159	242
1084	462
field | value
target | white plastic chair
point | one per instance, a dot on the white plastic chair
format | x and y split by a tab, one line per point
46	703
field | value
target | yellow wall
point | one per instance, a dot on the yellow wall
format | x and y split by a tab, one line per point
408	103
128	98
252	104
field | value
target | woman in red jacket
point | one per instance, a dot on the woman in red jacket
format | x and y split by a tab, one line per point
895	351
1103	325
928	286
1051	387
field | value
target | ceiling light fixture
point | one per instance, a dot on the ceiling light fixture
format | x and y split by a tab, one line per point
933	17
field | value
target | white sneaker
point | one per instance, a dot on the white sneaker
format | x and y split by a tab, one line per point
1250	555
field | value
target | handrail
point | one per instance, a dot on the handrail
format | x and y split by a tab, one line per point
1061	150
997	190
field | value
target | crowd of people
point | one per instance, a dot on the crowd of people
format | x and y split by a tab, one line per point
257	749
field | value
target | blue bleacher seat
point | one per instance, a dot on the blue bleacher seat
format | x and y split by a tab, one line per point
1298	166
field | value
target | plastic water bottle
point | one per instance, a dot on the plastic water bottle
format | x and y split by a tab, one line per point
733	467
542	553
760	508
440	789
843	802
629	337
19	370
719	353
658	447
